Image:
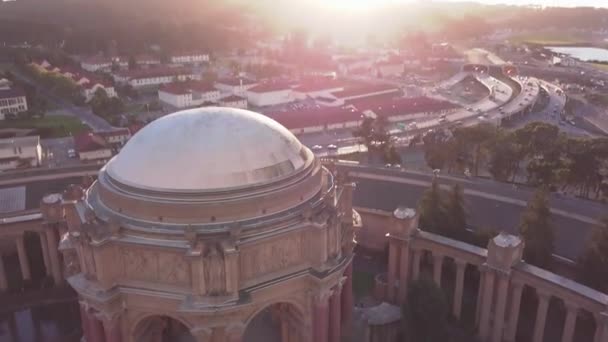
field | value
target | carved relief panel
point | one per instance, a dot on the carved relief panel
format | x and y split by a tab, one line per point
271	256
157	266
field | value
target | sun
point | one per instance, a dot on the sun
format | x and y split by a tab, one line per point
359	4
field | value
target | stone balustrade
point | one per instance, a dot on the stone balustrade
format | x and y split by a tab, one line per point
503	276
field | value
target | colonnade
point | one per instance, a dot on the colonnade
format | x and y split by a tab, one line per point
503	275
49	242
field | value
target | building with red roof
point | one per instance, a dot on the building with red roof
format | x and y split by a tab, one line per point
357	92
270	94
235	86
92	146
318	119
12	102
188	94
234	101
96	63
155	76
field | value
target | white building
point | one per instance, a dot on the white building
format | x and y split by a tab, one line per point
20	152
317	89
189	58
91	147
348	65
233	101
341	98
389	68
12	101
269	95
89	89
117	137
146	60
155	77
96	63
235	86
188	94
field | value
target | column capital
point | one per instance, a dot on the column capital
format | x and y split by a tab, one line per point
202	333
543	295
460	263
235	330
322	297
571	306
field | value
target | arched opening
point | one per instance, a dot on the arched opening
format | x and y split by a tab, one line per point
162	329
280	322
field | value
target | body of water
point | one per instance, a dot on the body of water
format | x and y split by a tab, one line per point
582	53
49	323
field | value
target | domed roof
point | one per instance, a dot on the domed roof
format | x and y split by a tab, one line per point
208	149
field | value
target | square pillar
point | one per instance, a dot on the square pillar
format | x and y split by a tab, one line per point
335	323
3	280
112	329
393	264
23	261
347	297
541	316
457	305
570	323
516	291
486	305
53	246
404	265
45	253
321	316
501	305
437	268
416	264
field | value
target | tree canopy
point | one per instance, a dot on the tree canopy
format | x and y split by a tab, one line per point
536	229
592	270
425	313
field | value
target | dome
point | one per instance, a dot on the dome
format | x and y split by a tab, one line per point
208	149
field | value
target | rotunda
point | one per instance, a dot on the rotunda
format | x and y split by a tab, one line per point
213	224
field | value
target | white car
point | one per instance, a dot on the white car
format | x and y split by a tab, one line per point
72	153
317	148
332	147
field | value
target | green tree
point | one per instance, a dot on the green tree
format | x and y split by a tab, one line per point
505	156
536	229
430	207
592	270
474	140
456	216
425	313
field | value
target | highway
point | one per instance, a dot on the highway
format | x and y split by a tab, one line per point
489	204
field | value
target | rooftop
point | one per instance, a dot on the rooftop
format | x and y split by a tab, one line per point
235	81
154	72
30	141
269	87
181	88
11	93
364	89
233	98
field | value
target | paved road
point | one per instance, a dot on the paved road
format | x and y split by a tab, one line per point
83	113
489	205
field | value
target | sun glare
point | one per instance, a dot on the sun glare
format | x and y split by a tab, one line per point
359	4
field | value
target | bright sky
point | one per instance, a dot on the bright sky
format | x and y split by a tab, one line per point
559	3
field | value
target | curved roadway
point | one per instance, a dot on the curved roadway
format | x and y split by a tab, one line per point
489	204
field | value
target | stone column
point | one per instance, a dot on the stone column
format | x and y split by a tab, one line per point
393	263
284	330
404	265
54	256
416	264
486	305
112	329
321	317
482	278
514	311
457	305
437	268
501	305
601	327
541	316
3	280
335	322
347	297
95	329
23	262
84	322
234	332
45	252
569	325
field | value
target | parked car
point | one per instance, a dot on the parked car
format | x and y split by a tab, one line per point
72	153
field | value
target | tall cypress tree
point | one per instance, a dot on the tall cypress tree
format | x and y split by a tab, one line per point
432	214
456	217
592	269
537	231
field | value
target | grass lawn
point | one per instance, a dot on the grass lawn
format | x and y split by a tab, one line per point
549	39
55	126
603	67
363	283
